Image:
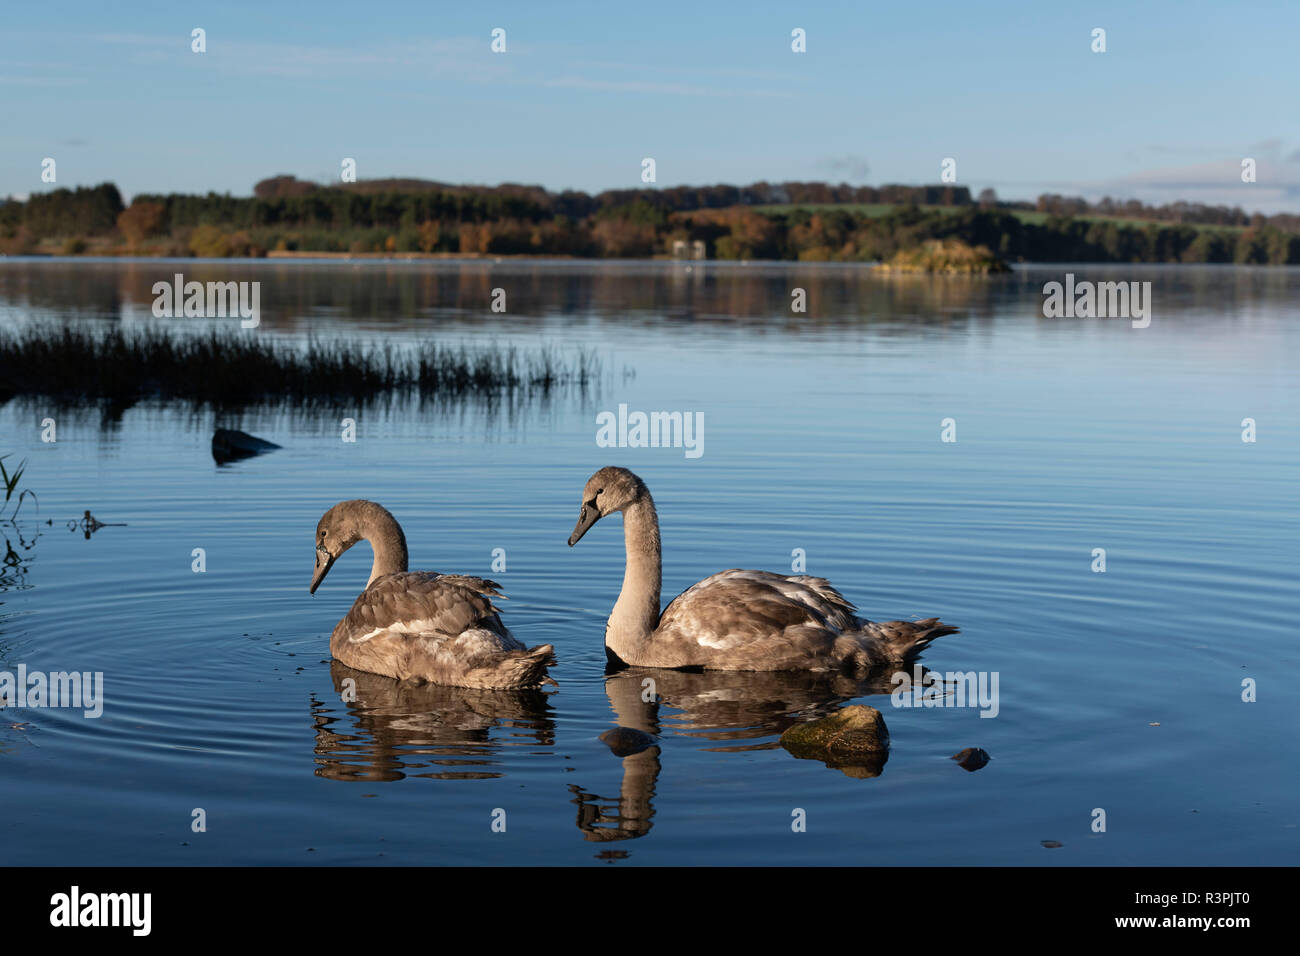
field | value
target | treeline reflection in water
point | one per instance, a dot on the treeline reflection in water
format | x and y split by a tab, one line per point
303	296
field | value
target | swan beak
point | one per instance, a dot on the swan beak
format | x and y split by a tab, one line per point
586	518
324	561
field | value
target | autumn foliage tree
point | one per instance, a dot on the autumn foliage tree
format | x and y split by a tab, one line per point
430	232
475	237
624	238
141	220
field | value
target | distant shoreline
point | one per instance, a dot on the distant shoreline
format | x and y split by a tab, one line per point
805	222
305	254
488	258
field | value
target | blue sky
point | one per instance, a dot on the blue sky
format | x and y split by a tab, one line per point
713	92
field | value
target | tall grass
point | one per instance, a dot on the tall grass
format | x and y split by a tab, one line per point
227	368
9	481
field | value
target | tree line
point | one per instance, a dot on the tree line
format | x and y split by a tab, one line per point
791	220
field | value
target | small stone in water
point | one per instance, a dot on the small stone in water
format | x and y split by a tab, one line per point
972	758
625	741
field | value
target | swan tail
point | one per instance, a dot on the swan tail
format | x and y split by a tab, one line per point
890	641
528	668
926	631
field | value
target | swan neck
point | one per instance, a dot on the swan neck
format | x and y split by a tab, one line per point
636	615
389	545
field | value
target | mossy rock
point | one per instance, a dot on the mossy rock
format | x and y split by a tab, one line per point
947	256
854	740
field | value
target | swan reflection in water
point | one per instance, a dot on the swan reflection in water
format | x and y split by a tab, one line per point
386	730
395	729
734	711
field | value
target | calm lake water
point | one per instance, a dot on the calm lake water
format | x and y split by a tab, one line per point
1120	691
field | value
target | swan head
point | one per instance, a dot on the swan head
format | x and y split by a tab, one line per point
609	490
339	529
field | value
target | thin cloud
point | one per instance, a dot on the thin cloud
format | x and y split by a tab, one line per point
1218	183
1267	147
1167	150
1221	174
771	76
850	166
144	39
468	57
645	86
39	81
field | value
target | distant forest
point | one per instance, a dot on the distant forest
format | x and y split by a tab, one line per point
793	220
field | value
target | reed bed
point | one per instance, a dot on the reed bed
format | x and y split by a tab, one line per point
217	367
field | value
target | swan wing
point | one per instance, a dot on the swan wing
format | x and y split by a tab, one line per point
441	628
428	605
754	620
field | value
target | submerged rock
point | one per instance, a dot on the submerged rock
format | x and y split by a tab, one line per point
972	758
625	741
854	740
229	444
